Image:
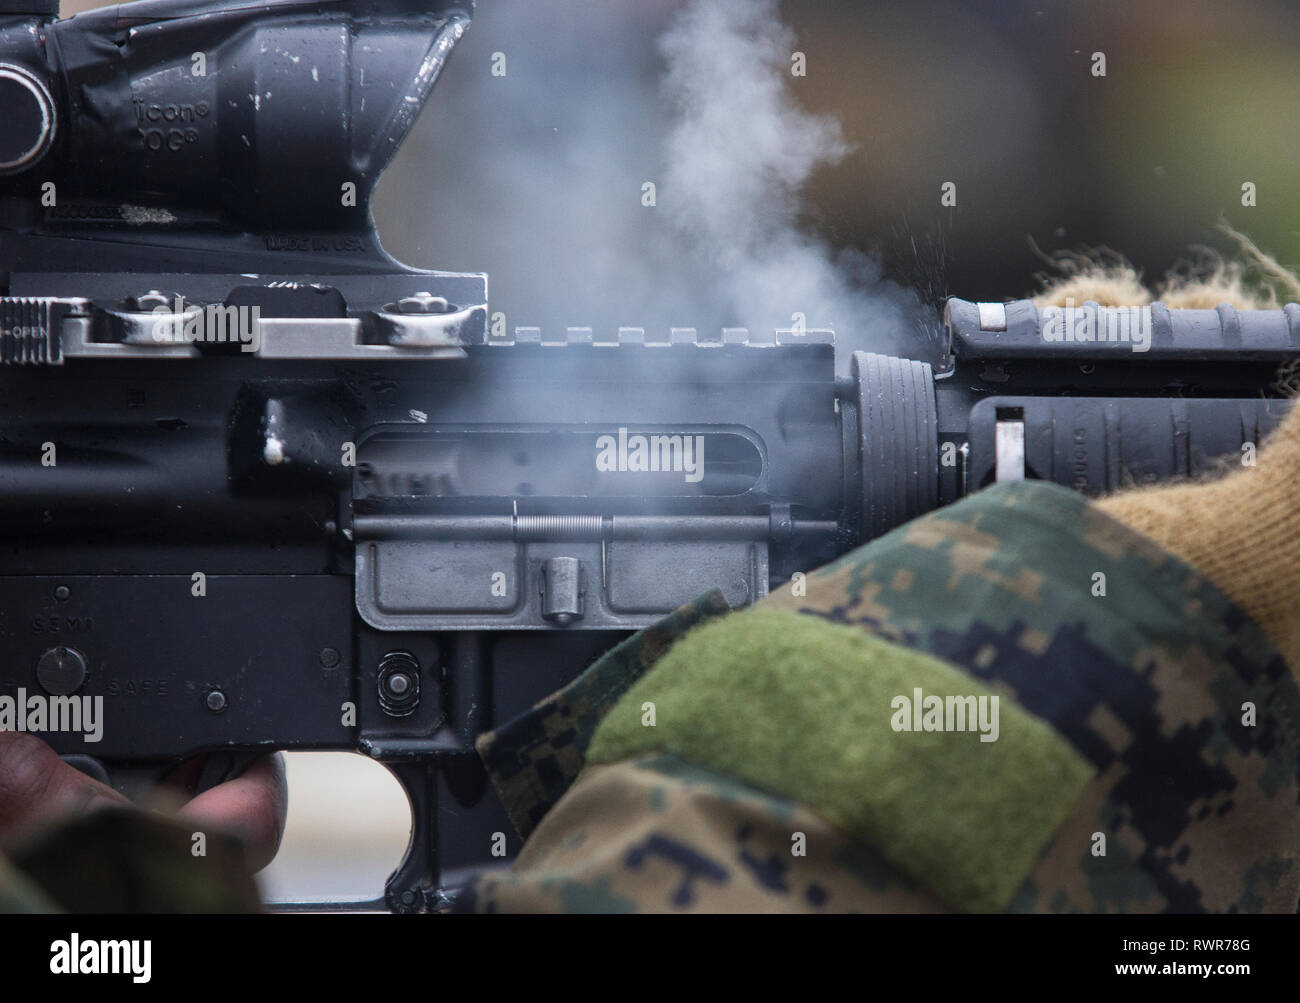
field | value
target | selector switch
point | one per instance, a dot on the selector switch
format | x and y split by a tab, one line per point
29	119
61	671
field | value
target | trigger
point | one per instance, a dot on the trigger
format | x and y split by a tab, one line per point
218	767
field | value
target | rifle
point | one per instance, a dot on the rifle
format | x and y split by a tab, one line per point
263	487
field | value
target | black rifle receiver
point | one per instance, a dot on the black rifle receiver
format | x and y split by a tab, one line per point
263	487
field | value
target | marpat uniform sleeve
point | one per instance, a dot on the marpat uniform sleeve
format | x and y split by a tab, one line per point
1015	703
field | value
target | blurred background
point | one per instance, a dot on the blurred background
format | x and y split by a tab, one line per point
818	194
535	177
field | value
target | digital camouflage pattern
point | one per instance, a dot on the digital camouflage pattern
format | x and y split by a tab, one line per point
1181	704
536	757
802	708
655	834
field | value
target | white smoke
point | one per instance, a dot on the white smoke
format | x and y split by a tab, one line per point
538	176
739	154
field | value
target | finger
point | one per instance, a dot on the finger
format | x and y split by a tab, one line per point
251	807
37	786
184	779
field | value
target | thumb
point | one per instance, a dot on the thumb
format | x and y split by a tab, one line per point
36	786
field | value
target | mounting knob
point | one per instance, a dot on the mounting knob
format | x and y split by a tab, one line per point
29	119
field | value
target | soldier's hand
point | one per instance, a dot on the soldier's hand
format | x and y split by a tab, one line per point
37	787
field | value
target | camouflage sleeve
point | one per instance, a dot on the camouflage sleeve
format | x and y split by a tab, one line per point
18	894
1147	757
656	834
127	861
533	759
1181	704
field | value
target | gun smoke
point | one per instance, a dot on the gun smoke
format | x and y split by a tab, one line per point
597	101
740	152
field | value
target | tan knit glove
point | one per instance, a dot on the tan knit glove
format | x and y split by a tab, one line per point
1242	531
